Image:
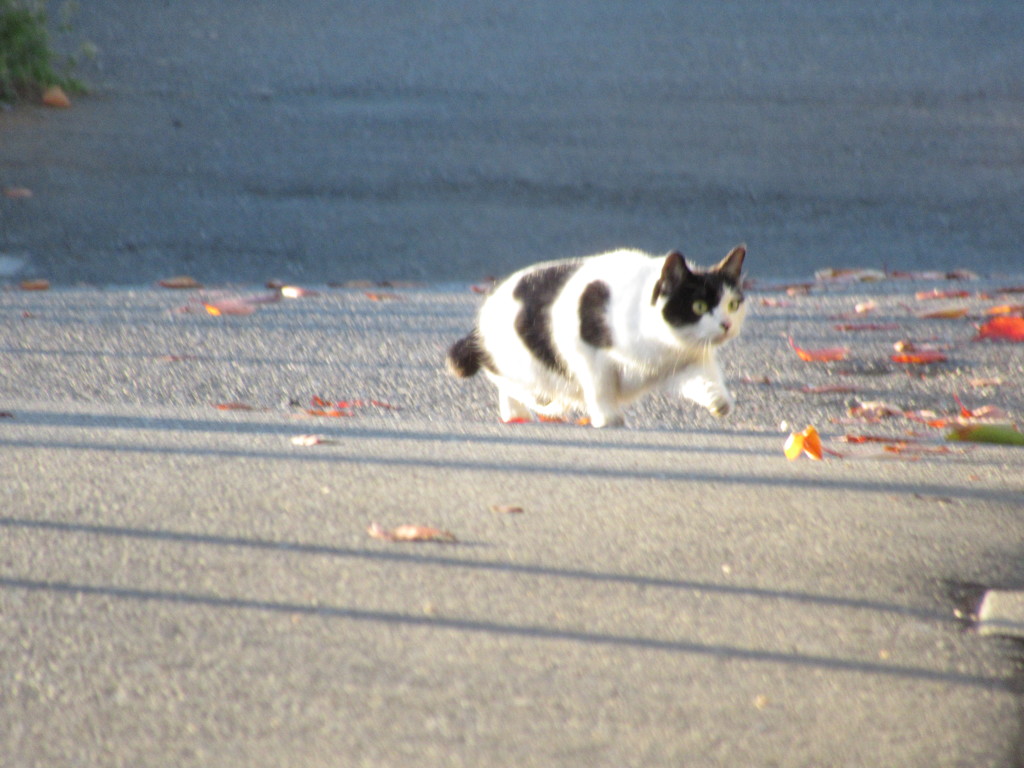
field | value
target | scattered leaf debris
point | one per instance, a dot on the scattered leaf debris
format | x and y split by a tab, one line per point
180	283
330	408
1002	328
920	357
830	354
410	533
307	441
506	509
54	96
807	442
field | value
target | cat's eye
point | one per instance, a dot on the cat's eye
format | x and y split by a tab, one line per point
734	305
700	307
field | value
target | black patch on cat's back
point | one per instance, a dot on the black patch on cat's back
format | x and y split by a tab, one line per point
536	292
594	328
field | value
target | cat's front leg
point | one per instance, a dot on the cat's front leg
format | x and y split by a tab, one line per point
705	385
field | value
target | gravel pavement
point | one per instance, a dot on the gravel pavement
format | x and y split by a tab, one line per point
182	584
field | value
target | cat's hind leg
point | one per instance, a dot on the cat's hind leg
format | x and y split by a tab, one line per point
511	409
599	382
517	403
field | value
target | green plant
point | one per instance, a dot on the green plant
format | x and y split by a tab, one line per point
27	62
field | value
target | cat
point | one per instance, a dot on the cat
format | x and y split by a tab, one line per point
596	333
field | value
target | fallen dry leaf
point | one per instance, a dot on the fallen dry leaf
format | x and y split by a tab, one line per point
229	307
913	449
295	292
331	413
955	274
981	413
1005	309
1004	328
872	439
807	442
920	357
347	405
850	275
948	313
866	326
928	418
992	381
819	355
54	96
34	285
410	533
935	293
829	389
310	440
235	406
179	282
874	410
506	509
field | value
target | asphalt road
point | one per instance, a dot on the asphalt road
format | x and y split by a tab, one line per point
447	141
180	584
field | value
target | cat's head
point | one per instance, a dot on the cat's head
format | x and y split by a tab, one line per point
702	307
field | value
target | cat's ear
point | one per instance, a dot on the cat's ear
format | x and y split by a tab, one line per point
732	265
673	272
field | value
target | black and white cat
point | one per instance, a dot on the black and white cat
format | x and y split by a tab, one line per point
597	333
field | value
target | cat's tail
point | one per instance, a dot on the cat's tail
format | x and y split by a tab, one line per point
466	356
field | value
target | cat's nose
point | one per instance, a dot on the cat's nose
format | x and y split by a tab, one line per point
726	325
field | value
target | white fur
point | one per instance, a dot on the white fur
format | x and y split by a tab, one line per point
647	353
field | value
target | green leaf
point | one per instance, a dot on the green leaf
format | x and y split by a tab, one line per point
1003	434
